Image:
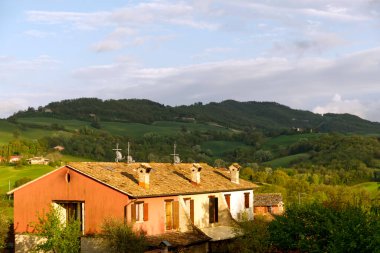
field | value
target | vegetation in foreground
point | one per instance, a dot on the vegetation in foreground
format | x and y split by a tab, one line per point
314	227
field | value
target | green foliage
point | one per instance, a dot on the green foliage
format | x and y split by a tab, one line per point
4	224
21	181
326	228
60	238
253	236
121	238
271	117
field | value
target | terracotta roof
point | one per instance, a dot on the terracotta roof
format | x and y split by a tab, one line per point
165	178
267	199
178	238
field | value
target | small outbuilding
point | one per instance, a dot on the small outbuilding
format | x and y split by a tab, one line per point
268	203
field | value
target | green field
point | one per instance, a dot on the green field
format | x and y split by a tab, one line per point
220	147
372	187
135	130
42	121
285	162
11	174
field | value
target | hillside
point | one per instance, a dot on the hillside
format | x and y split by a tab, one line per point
266	116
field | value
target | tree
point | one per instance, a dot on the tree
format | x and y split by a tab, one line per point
326	228
120	237
253	236
60	237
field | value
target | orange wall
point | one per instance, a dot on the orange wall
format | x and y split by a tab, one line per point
100	201
264	209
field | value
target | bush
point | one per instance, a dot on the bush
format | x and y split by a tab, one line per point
21	181
4	227
255	236
61	238
121	238
326	228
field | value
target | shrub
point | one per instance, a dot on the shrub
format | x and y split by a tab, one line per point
60	238
121	238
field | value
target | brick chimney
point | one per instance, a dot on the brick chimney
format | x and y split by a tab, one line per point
144	173
234	170
196	173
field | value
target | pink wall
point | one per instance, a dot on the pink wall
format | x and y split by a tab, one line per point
156	213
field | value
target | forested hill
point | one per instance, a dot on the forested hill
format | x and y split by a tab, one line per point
267	116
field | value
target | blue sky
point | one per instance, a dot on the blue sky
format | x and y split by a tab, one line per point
317	55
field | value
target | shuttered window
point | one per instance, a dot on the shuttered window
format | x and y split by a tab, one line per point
213	209
139	212
246	200
171	214
190	208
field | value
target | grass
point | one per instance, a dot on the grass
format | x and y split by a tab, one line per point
220	147
71	158
372	187
135	130
12	174
286	161
42	121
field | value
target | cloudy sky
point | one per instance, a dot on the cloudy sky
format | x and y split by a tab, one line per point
317	55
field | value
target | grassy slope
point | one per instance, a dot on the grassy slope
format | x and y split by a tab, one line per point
286	161
14	173
220	147
372	187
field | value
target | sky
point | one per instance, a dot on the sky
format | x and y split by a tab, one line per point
316	55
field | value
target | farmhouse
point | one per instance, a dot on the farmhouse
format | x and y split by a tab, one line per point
268	203
184	204
38	160
15	158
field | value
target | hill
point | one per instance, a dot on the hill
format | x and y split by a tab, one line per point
269	117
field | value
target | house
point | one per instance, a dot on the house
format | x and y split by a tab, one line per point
268	203
38	160
59	148
172	202
15	159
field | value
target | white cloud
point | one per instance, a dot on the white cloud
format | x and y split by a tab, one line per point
339	105
294	83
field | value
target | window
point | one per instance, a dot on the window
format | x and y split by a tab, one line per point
171	214
190	208
228	200
69	211
246	200
213	209
139	212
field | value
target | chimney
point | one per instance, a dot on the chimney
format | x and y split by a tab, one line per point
234	170
144	172
196	173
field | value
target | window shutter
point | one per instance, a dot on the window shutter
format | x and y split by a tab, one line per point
216	209
192	210
133	213
246	200
175	214
211	210
145	211
228	200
